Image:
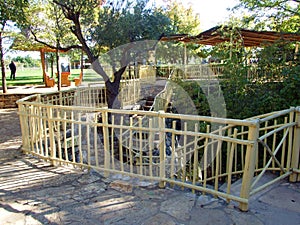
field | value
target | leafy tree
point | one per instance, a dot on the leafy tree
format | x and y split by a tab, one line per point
12	12
49	28
277	15
27	61
133	22
183	20
119	22
281	58
276	66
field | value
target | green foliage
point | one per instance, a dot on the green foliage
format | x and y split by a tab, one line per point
13	11
277	15
183	19
27	61
249	100
132	22
197	95
47	26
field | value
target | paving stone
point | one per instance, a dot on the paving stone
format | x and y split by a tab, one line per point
154	194
8	217
271	215
94	189
32	221
88	178
135	213
121	185
179	206
121	213
204	200
280	196
215	204
243	218
159	219
209	216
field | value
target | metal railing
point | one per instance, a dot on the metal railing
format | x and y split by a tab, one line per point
205	153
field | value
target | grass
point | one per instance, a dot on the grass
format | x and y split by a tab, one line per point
34	77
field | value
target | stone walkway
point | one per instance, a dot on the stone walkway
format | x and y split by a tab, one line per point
33	192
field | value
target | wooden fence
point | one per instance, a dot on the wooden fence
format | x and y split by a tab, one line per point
206	152
213	71
192	71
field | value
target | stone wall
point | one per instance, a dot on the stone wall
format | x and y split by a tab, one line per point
9	100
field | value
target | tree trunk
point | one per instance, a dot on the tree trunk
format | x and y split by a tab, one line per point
4	88
42	52
58	70
113	89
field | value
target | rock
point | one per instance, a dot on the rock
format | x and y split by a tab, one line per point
239	217
160	219
88	179
204	200
210	216
121	185
179	206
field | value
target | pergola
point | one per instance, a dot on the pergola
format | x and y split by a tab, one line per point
250	38
18	45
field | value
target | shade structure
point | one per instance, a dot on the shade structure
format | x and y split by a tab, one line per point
23	45
249	38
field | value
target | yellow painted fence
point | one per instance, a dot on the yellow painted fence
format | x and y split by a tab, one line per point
207	154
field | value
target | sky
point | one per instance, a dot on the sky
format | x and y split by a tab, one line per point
212	12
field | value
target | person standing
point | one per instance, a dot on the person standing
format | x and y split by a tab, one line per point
13	70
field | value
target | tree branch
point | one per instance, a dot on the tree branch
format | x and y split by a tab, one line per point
126	59
55	47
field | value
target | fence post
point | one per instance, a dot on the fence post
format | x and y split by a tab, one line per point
23	115
249	168
296	146
162	152
51	136
106	144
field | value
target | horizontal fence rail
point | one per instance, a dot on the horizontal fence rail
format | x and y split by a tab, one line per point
204	154
210	71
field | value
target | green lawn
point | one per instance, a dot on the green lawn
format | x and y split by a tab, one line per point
34	76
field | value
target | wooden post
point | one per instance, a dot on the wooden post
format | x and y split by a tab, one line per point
22	109
290	140
51	136
296	146
42	52
106	142
58	69
249	164
162	151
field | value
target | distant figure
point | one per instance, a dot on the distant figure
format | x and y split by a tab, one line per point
13	70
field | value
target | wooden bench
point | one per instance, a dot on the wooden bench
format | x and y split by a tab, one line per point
50	82
65	79
78	80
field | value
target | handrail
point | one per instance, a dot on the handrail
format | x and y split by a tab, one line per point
236	148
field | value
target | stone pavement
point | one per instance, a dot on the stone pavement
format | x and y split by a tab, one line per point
33	192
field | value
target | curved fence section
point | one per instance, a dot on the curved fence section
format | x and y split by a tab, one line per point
204	154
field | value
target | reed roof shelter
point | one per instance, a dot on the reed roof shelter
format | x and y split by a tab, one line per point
250	38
